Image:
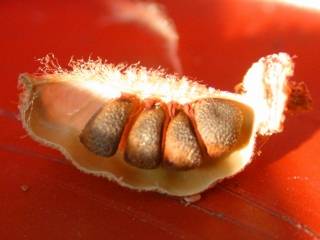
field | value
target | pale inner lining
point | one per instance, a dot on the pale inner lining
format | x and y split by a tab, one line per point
60	129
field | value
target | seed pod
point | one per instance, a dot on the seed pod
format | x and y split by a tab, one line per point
206	134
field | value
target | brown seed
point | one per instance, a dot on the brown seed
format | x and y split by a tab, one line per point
143	148
102	133
219	124
182	150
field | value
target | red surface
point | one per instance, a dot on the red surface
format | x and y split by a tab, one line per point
276	197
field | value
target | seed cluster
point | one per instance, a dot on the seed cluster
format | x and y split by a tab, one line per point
157	136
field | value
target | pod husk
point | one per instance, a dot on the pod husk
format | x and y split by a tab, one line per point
55	107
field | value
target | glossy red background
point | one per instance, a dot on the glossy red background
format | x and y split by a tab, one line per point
276	197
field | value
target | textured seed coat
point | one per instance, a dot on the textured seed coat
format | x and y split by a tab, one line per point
102	133
219	124
182	150
143	148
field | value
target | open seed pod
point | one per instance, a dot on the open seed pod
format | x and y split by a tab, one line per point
151	131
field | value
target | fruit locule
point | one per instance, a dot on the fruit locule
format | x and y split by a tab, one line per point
178	136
